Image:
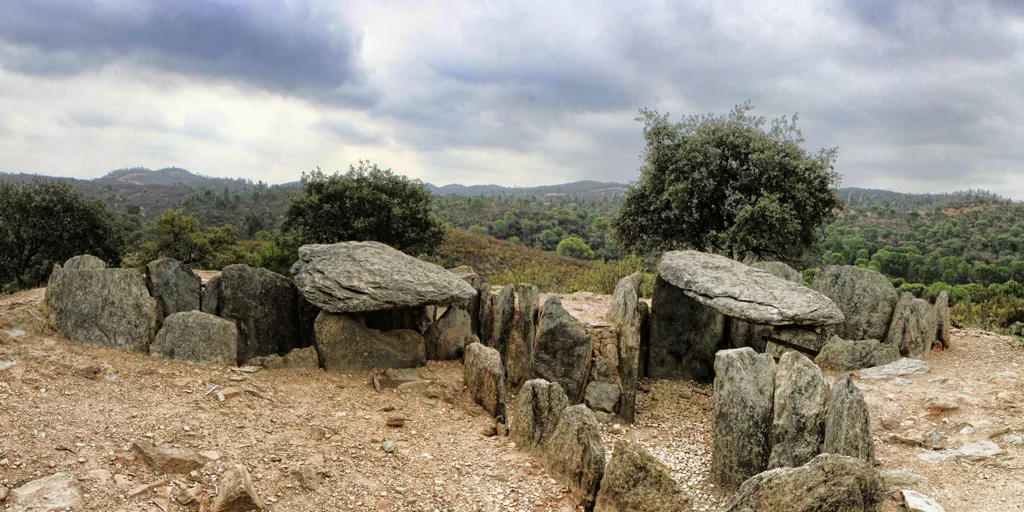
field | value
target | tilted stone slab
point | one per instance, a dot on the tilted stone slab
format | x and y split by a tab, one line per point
355	277
740	291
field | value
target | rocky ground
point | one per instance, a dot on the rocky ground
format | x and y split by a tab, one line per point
75	409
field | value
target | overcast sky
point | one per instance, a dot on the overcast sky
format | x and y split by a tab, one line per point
919	96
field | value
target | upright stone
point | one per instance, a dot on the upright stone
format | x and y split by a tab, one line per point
913	327
104	308
829	482
487	314
844	355
630	315
236	492
685	335
84	262
197	337
847	425
798	427
485	379
562	352
473	305
518	367
357	277
448	337
941	315
174	286
635	480
264	307
744	389
345	344
210	300
535	413
865	297
504	319
574	454
745	334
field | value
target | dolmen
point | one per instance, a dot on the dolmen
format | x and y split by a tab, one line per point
698	300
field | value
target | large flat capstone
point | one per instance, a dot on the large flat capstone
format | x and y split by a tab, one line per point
356	277
747	293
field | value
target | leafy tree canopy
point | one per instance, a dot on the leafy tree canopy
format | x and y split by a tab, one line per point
575	247
366	203
730	185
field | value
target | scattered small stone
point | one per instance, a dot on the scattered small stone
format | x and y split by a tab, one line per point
308	478
917	502
615	429
58	491
1013	439
429	401
236	493
167	459
228	392
941	403
388	446
144	488
490	431
395	422
890	423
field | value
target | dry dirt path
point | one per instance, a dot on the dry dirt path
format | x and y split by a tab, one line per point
70	408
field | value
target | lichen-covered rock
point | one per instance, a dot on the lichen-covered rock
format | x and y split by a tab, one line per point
57	492
798	425
103	308
447	337
941	315
562	353
865	297
913	327
829	482
844	355
743	400
744	292
602	396
517	368
345	344
174	286
635	480
685	335
504	319
487	316
780	269
264	307
356	277
535	413
573	454
630	315
197	337
235	492
485	379
847	424
298	359
84	262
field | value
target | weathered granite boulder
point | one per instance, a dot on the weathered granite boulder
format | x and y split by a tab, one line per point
448	337
573	454
535	413
684	337
355	277
174	286
197	337
941	315
865	297
847	424
829	482
84	262
264	307
103	308
235	492
345	344
780	269
913	327
744	394
562	352
635	480
298	359
744	292
57	492
504	319
844	355
485	379
798	427
629	315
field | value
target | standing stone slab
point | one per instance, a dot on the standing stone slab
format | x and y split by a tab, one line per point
744	292
504	319
345	344
844	355
744	394
264	307
487	316
527	297
356	277
745	334
847	424
472	305
103	308
485	379
197	337
562	353
174	286
448	337
865	297
210	300
913	327
635	480
57	492
941	315
798	427
829	482
574	456
629	315
535	413
685	335
84	262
